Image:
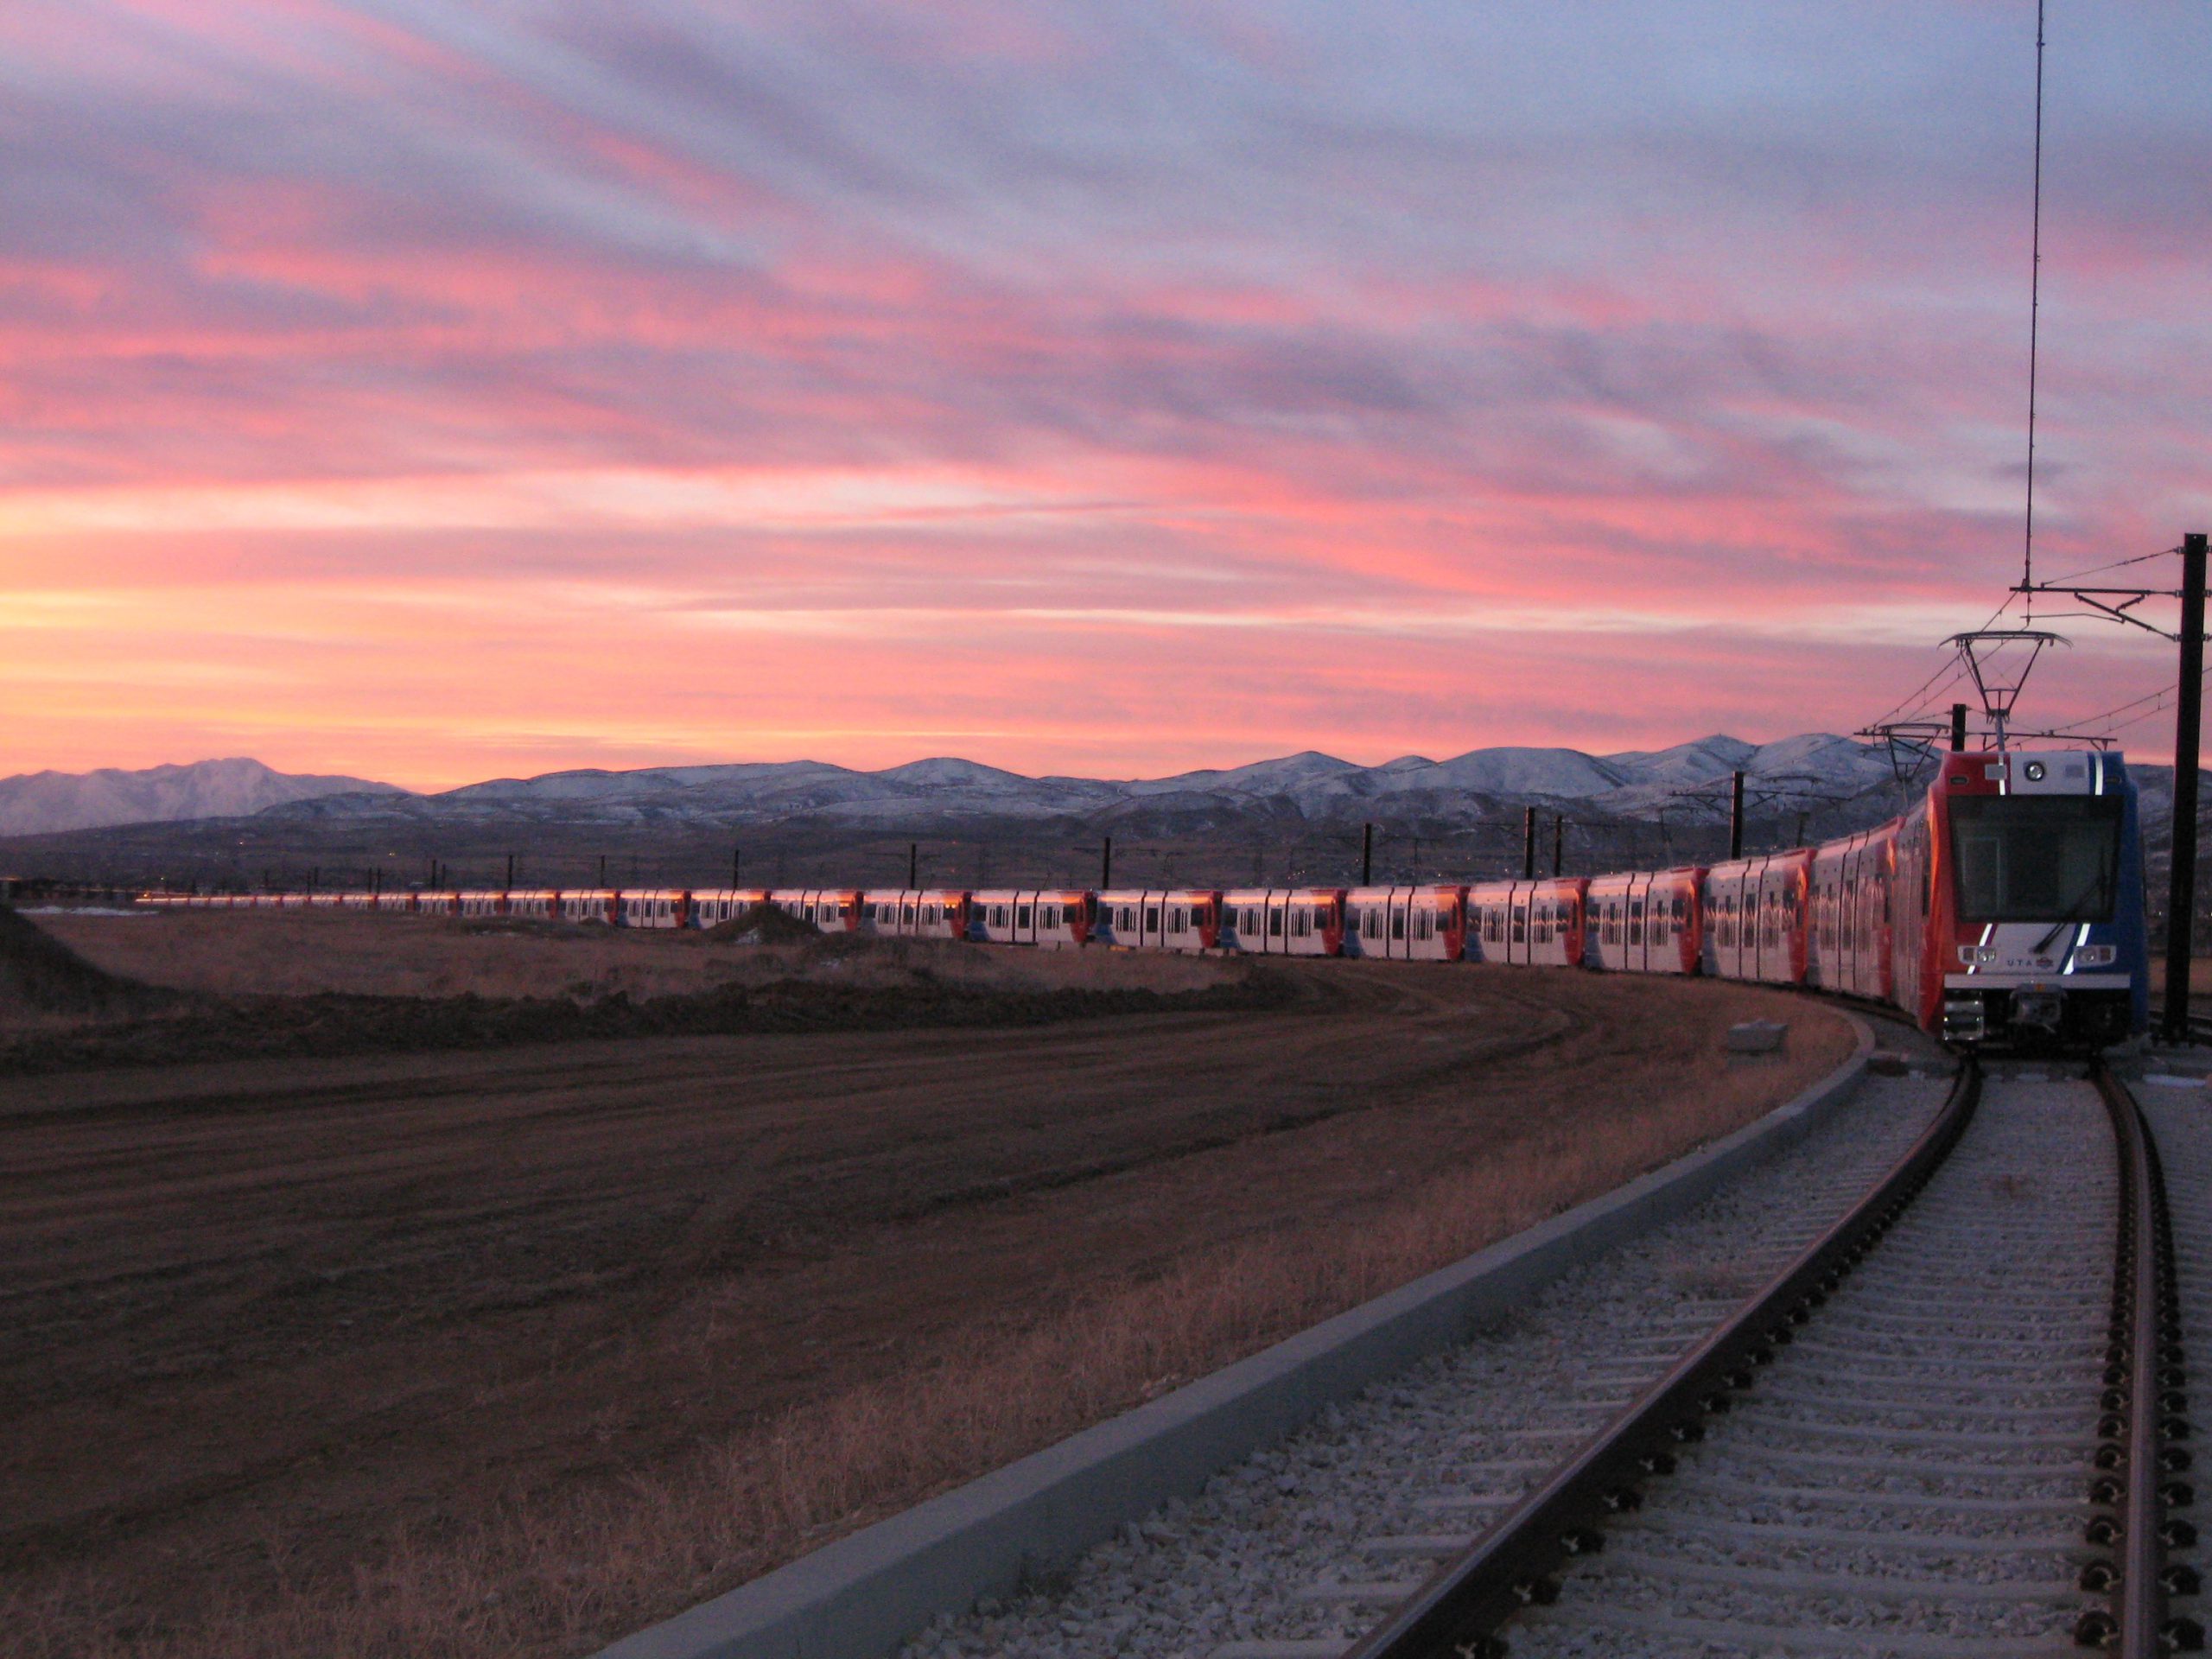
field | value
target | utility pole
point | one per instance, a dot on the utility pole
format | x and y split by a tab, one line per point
1529	843
1106	866
1736	815
1559	839
2189	718
511	873
1958	728
1367	856
913	864
736	864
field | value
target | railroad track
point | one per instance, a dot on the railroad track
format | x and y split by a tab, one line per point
1955	1425
1930	1416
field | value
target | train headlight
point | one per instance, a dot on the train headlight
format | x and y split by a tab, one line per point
2035	771
2096	956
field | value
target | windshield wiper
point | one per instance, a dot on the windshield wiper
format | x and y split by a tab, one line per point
2059	927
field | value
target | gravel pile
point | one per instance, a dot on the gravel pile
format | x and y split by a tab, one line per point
1910	1475
1298	1550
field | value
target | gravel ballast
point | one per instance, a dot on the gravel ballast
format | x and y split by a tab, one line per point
1910	1475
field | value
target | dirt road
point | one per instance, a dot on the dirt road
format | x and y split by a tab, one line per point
255	1316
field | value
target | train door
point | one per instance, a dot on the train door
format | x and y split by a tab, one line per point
1910	894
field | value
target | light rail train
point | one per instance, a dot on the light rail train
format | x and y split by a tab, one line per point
2006	907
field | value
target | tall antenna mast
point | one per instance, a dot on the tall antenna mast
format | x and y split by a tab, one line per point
2035	309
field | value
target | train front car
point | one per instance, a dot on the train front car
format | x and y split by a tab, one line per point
2028	869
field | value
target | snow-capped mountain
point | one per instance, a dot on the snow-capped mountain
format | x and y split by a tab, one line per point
943	792
43	802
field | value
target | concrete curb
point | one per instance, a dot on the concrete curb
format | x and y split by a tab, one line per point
859	1598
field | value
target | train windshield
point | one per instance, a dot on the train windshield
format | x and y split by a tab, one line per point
2036	858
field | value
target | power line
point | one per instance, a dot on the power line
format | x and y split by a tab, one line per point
2035	309
2099	570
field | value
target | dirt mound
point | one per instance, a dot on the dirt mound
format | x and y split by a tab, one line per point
41	975
764	924
331	1024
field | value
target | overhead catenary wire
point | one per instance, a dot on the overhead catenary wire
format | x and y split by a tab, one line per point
2035	309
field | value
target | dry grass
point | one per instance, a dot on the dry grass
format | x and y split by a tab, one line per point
561	1575
301	953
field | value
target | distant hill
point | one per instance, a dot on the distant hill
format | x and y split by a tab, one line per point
942	795
43	802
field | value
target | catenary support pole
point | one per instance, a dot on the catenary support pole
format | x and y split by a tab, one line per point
1958	728
1367	856
2189	716
1736	815
1529	843
511	873
1106	866
913	864
736	865
1559	841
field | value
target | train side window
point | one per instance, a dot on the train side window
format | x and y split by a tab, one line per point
1274	921
1397	923
1520	924
1021	916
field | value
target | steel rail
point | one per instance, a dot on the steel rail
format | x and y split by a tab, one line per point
1456	1613
2144	1422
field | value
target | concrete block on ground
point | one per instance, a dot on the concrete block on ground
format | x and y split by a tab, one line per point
1757	1037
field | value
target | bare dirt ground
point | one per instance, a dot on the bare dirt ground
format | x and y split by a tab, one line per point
507	1352
241	983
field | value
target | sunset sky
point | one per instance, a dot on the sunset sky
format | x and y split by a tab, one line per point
438	391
